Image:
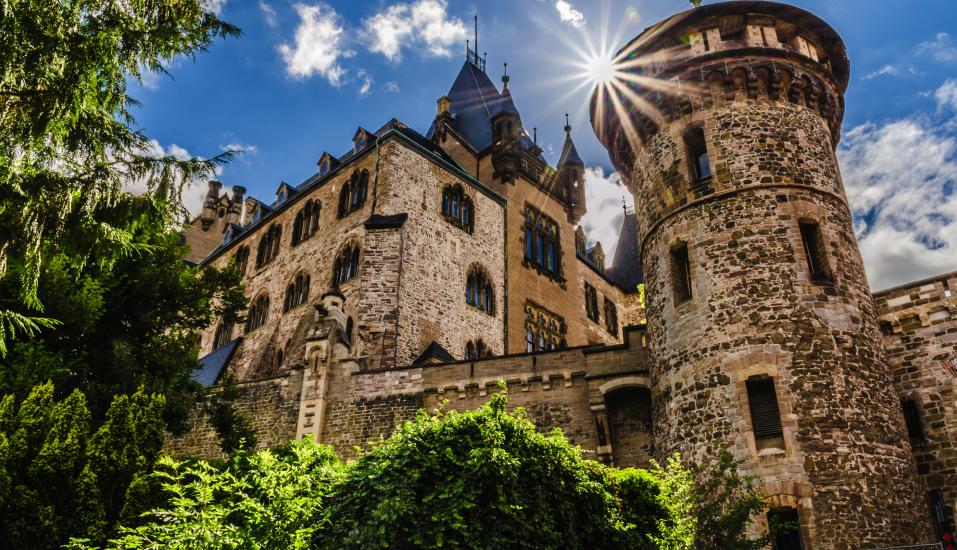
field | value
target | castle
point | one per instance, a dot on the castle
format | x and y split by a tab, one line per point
422	268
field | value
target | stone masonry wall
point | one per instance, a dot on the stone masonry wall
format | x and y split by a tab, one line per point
919	324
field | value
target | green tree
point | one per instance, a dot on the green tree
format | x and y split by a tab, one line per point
125	324
67	137
57	477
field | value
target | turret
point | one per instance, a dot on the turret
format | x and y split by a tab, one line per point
210	204
507	135
761	324
571	177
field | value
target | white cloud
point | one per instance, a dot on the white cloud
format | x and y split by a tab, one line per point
568	14
900	179
942	47
367	81
318	46
194	191
603	197
269	14
215	6
421	23
947	95
885	70
392	86
240	147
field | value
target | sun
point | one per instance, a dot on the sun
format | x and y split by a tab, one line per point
601	69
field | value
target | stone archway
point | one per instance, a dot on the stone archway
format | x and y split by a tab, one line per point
628	410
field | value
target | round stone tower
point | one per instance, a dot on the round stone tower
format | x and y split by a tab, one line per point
723	120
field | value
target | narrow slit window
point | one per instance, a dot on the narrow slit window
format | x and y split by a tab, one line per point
698	156
681	273
915	428
765	415
814	249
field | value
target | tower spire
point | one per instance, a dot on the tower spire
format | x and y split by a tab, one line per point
505	78
568	126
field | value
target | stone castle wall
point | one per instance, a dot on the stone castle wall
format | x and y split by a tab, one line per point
919	326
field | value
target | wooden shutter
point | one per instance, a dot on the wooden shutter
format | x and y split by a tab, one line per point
765	416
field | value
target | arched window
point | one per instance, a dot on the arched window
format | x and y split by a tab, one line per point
544	331
347	264
542	248
307	221
240	259
353	194
297	293
457	207
224	333
269	245
478	290
477	350
258	313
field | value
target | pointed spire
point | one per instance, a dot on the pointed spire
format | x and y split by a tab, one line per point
569	152
505	78
568	127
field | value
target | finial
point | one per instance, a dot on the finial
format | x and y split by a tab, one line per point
535	135
476	35
568	126
505	77
467	48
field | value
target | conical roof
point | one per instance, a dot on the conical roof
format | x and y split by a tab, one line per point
569	152
626	269
475	100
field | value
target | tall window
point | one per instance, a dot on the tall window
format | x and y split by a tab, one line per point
307	221
698	157
580	241
269	245
297	293
258	313
611	317
680	273
814	251
478	290
477	350
542	248
915	428
224	333
347	264
353	194
241	258
543	329
591	302
765	415
457	207
786	531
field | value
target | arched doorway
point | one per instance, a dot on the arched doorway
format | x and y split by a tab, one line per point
629	421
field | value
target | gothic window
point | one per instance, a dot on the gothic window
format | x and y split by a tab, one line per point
457	207
765	415
785	529
680	273
580	241
258	313
915	428
347	264
297	293
544	330
478	290
698	157
611	317
224	332
269	245
307	221
477	350
542	248
353	194
241	259
591	302
814	251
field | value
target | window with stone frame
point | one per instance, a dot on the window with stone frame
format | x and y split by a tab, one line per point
479	292
457	207
224	333
815	252
915	427
591	302
680	273
611	317
352	197
307	221
346	265
698	161
544	330
241	259
297	293
580	241
258	313
542	243
477	350
785	529
765	414
269	245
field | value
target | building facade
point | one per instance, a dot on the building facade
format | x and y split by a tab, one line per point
736	316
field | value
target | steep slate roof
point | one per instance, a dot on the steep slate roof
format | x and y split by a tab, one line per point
569	152
475	100
212	365
626	269
434	354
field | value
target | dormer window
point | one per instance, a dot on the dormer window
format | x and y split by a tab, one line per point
360	139
324	167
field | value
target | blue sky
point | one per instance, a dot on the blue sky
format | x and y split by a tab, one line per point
305	74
